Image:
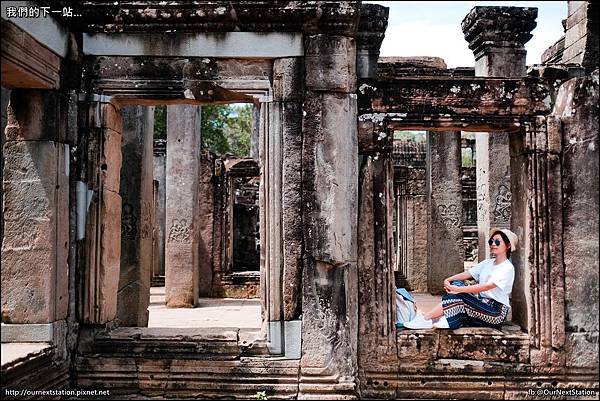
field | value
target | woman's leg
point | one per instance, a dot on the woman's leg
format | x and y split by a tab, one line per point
434	313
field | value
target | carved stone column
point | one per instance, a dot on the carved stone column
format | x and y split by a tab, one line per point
371	31
497	37
377	355
288	83
330	208
136	216
99	208
35	208
445	236
160	165
574	292
182	226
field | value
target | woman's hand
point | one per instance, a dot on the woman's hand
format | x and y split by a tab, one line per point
446	284
454	289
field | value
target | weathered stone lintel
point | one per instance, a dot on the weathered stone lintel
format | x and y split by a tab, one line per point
191	80
26	63
447	97
226	44
251	16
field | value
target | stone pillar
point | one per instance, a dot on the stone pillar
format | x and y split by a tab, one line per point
136	216
497	37
330	208
160	164
377	352
206	226
3	106
99	209
371	31
35	187
255	133
576	110
288	83
445	237
182	230
416	231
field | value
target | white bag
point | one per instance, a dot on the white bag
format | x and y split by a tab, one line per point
406	309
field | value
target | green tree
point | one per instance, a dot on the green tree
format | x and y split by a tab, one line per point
160	122
239	129
227	128
213	122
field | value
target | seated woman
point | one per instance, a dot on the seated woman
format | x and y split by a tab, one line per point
460	307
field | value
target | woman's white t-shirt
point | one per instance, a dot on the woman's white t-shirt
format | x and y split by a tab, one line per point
503	275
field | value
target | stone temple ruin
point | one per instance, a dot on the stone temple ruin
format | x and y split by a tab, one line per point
326	216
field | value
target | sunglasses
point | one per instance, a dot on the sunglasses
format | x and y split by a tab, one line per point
494	241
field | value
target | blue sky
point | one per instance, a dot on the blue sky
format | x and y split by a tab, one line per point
432	28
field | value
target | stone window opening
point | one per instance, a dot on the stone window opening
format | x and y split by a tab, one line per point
415	222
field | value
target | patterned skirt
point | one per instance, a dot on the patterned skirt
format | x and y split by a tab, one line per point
466	310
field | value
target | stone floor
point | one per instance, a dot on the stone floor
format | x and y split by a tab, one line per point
211	312
13	351
228	312
426	301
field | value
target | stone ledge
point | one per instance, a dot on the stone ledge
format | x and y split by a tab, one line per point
473	344
32	333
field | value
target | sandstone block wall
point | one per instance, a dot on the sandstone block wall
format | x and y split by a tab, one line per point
35	190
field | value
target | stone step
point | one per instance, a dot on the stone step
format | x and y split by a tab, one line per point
184	363
158	281
183	343
184	378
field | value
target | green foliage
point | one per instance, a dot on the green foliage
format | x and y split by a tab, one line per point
160	122
261	395
227	128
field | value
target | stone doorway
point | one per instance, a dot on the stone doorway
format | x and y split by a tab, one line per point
208	239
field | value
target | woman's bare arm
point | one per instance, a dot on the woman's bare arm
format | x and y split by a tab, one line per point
473	289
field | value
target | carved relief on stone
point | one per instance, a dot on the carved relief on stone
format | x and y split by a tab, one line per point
502	204
448	216
146	223
128	222
482	202
180	232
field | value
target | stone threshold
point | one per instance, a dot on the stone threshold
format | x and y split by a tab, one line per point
223	343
